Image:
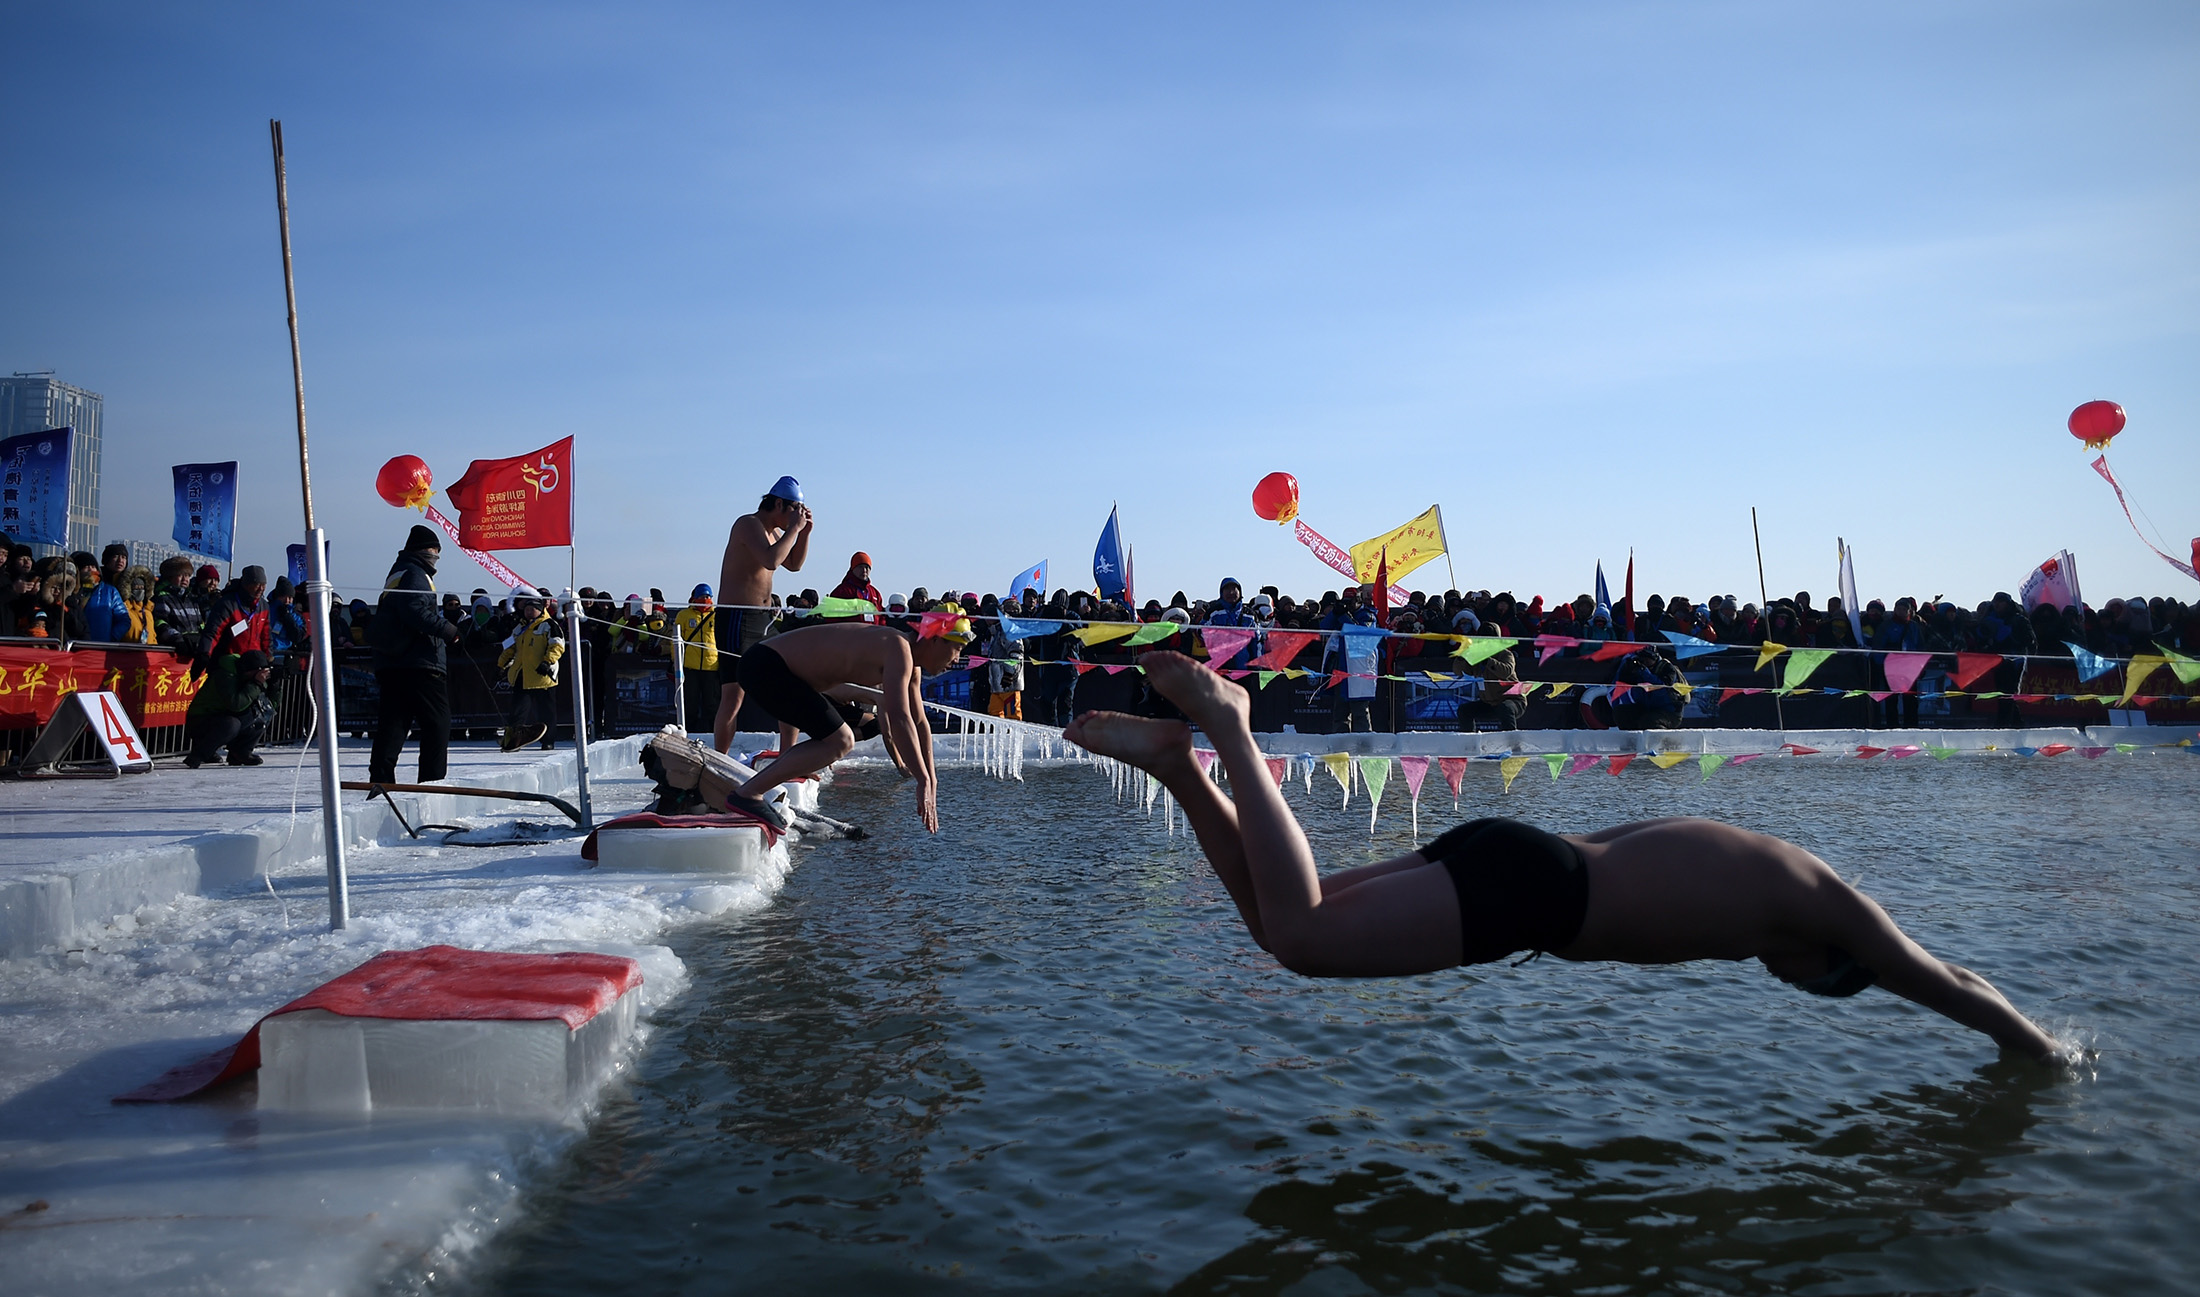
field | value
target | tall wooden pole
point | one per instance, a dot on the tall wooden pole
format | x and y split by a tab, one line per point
290	300
316	591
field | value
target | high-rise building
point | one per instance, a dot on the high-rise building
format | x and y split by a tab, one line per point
35	401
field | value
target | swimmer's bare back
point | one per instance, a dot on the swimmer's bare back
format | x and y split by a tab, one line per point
1658	892
845	653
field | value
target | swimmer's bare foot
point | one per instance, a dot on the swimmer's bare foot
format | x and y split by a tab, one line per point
1213	702
1160	748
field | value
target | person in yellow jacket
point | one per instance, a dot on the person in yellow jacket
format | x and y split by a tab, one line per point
698	623
530	662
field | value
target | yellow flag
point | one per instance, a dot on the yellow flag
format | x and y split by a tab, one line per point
1510	768
1768	652
1103	632
1667	760
1340	765
1409	547
2142	666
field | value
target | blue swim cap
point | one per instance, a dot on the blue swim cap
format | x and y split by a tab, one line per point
787	488
700	592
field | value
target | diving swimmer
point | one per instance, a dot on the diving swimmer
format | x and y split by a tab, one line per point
1660	891
793	676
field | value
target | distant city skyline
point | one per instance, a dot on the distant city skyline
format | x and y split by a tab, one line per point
37	400
1592	277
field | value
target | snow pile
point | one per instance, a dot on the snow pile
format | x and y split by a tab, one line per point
216	1196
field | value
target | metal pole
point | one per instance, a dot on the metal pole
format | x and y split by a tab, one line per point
580	703
679	678
317	585
324	703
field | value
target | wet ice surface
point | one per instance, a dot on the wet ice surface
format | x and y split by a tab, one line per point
1037	1053
216	1197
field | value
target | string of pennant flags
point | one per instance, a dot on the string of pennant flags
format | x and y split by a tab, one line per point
999	745
1902	668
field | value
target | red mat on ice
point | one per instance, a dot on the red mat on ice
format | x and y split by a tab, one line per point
437	983
652	820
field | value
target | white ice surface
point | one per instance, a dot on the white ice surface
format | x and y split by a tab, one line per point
214	1196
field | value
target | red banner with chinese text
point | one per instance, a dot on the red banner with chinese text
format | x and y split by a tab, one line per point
525	502
155	688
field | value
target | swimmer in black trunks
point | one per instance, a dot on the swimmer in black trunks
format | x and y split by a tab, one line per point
1658	892
791	676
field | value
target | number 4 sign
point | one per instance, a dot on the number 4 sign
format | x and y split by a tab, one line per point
104	716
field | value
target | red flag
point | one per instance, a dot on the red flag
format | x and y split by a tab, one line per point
1382	589
1627	604
521	503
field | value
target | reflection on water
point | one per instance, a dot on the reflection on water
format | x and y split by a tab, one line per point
1601	1224
1037	1054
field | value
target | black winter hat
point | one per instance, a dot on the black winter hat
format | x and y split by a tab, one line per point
253	574
283	589
423	538
251	660
113	548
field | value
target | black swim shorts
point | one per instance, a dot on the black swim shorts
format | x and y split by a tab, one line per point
773	686
1519	887
740	629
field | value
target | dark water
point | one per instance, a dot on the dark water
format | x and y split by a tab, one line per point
1037	1053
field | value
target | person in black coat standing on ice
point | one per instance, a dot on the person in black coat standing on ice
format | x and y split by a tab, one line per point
408	635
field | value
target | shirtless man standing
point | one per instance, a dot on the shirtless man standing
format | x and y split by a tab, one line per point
792	675
776	536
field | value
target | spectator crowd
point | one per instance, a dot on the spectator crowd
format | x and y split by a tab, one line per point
233	633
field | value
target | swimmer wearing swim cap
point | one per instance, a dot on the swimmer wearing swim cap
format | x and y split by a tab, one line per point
775	537
1663	891
796	677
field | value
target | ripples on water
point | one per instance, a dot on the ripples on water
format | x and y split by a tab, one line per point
1038	1053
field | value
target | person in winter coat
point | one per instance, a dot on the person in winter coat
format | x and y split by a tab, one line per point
698	625
179	619
107	614
1004	675
286	630
408	636
137	596
238	623
530	662
229	710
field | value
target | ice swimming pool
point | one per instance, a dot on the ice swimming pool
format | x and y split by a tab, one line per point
1037	1052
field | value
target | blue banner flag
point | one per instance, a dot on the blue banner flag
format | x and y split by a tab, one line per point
1108	571
34	486
206	508
1031	578
1019	629
1604	594
297	556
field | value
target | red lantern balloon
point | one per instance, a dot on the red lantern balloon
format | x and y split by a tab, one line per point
405	482
2096	423
1276	498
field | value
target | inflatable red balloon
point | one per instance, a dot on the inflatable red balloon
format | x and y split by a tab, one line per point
2096	423
405	482
1276	498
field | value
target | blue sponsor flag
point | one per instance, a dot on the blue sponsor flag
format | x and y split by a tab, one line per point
297	557
1604	594
206	508
1031	578
34	486
1108	569
1019	629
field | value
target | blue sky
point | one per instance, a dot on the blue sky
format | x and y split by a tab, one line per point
1590	276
